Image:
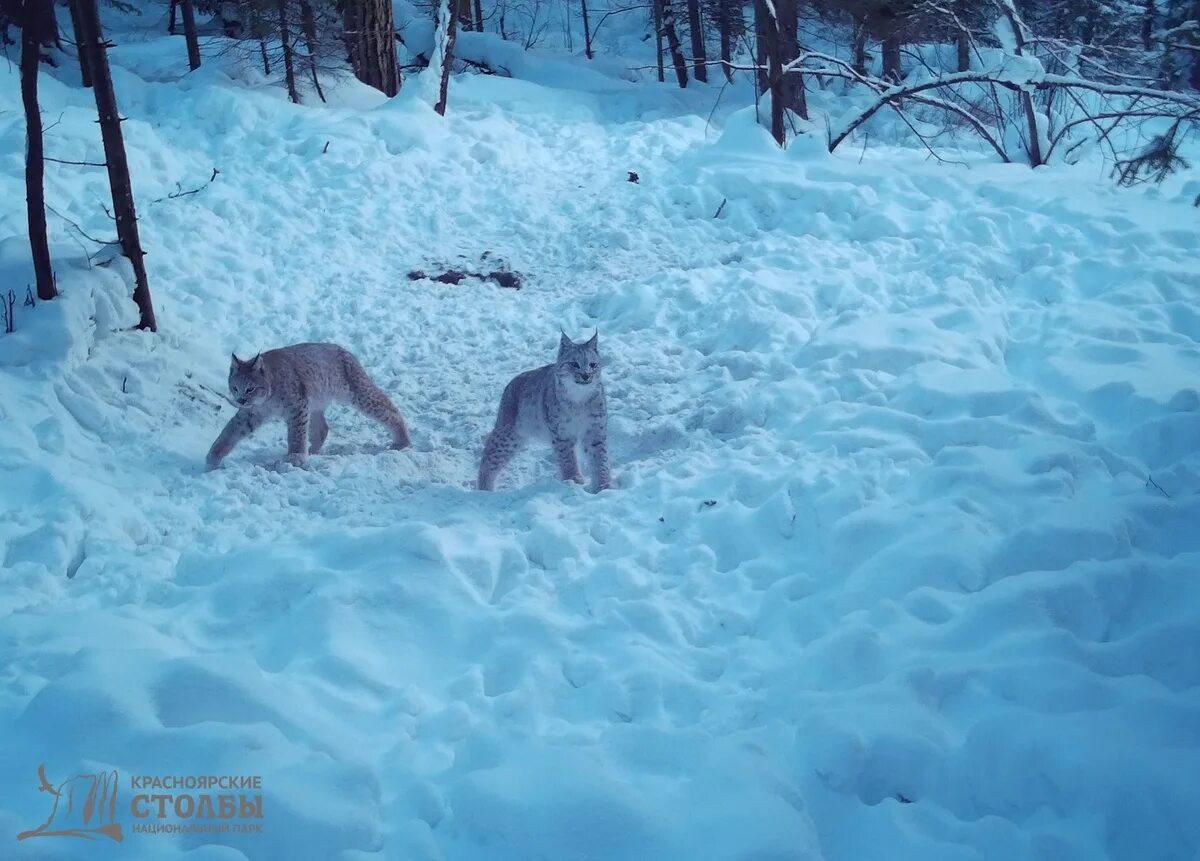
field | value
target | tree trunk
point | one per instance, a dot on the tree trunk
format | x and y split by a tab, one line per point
725	27
699	56
963	39
794	97
189	34
658	38
171	20
891	58
85	74
114	157
762	37
587	31
767	28
449	27
289	64
1194	55
669	30
860	47
478	16
35	165
1035	145
1148	16
309	24
262	50
371	39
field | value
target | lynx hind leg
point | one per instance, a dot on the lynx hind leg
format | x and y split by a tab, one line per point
502	443
373	401
318	431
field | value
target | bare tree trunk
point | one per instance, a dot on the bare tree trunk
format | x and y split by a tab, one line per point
289	66
668	28
794	97
262	50
761	60
309	24
450	24
658	38
699	56
478	6
767	28
1195	54
35	165
1148	16
891	58
371	39
171	20
1035	144
114	157
859	60
587	31
725	27
963	39
85	74
189	33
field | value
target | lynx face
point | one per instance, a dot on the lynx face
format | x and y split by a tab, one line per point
578	365
248	381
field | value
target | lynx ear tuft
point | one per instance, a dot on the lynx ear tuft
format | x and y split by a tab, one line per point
564	342
256	363
237	363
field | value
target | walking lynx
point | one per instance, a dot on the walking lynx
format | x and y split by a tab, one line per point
564	402
296	384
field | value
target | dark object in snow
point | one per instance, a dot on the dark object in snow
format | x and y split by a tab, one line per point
501	277
1155	162
633	177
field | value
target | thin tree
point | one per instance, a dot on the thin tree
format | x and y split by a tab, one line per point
189	34
289	66
309	24
35	165
447	33
791	88
767	27
658	38
478	16
114	157
699	56
669	30
587	30
85	74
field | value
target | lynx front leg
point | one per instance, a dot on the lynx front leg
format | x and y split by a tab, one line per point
568	463
297	425
244	423
502	443
318	430
595	444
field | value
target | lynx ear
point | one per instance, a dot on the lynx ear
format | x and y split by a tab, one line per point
237	363
594	340
564	342
256	363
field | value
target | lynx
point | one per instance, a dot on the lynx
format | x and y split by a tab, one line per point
296	384
564	402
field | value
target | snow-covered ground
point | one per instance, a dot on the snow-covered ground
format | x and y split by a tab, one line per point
901	561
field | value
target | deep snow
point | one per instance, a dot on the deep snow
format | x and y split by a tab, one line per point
901	559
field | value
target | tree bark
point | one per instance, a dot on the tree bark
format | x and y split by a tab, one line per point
963	39
859	61
658	38
371	39
309	23
1148	16
587	31
725	27
171	19
266	60
699	56
891	58
478	6
85	74
792	85
767	28
669	30
189	34
289	64
35	165
114	157
1035	145
450	23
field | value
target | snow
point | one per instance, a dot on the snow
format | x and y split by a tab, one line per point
901	557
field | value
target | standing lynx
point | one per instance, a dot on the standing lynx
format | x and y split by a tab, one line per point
564	402
296	384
